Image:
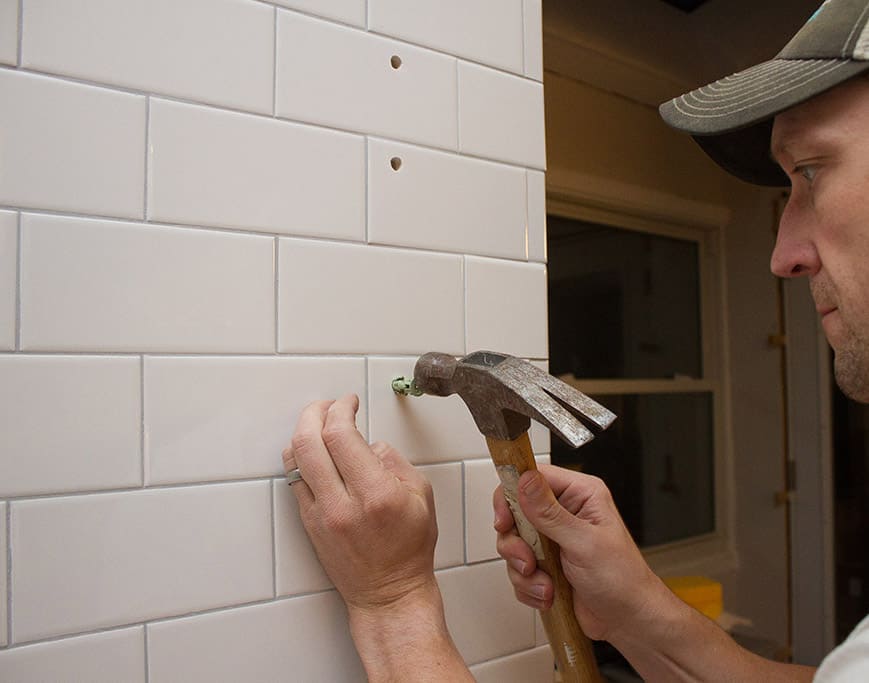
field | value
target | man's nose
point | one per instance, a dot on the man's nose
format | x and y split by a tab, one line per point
794	253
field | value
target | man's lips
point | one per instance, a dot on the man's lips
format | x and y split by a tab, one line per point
825	310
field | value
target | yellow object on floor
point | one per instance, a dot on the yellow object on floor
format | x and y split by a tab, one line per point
701	593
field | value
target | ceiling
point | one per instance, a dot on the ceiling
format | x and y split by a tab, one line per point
717	38
685	5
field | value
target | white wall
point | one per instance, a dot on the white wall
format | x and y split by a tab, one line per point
201	230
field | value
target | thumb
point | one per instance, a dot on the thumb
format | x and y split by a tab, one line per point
543	510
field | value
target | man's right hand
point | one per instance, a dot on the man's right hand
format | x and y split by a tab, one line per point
614	588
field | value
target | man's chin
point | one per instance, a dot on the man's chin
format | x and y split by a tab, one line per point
852	375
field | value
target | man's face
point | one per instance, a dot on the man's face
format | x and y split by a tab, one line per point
823	146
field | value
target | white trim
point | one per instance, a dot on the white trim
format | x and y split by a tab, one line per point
586	198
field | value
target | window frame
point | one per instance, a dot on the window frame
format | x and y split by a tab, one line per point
711	551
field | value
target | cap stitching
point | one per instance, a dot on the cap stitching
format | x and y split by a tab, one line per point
727	111
853	31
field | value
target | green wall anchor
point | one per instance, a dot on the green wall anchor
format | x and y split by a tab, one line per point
405	387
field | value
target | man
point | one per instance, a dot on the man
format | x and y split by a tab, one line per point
803	119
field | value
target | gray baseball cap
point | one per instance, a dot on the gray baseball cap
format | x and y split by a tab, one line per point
731	119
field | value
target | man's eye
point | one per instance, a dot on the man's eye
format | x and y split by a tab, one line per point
808	172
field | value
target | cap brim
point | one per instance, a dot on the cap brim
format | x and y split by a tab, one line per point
731	118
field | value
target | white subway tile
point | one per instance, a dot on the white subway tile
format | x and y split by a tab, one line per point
71	147
302	639
483	615
501	116
129	557
537	216
101	658
232	170
110	286
223	418
488	31
446	482
522	667
8	277
9	31
349	11
337	298
507	307
478	208
481	480
297	569
533	38
69	423
540	636
339	76
425	429
3	576
217	51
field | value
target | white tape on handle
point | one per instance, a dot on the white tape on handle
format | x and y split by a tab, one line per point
509	476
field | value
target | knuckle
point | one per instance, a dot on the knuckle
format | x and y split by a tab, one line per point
333	436
303	442
551	511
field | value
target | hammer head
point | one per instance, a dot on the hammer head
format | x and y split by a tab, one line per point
503	393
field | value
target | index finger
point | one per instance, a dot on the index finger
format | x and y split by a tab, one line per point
356	462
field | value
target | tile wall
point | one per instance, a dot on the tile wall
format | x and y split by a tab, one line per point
211	213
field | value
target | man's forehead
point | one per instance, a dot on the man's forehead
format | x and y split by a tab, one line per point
822	118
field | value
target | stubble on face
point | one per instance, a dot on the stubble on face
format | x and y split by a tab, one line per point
850	344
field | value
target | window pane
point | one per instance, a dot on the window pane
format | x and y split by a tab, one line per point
657	459
622	304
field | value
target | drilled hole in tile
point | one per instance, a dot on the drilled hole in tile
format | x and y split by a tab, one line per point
395	61
395	162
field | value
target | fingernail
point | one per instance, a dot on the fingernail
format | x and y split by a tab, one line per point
518	565
538	591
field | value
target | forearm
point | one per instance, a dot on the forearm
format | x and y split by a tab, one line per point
677	643
408	641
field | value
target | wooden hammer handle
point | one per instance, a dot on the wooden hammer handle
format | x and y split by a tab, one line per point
571	647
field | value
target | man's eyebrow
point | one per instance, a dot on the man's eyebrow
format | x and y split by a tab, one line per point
779	149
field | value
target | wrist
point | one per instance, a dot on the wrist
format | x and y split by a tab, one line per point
407	636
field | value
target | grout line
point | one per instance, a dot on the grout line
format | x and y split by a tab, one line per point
20	47
367	202
289	356
527	215
78	493
18	276
145	206
276	265
465	297
8	560
524	37
458	113
138	222
464	514
367	376
145	472
275	65
145	632
274	522
159	620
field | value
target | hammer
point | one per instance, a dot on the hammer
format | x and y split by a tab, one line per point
503	393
